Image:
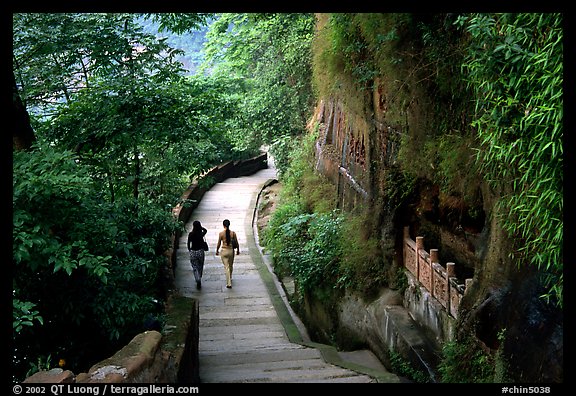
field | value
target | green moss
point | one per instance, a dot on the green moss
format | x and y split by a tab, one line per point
402	367
465	361
362	267
177	322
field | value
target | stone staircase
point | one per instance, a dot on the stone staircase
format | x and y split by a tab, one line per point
247	333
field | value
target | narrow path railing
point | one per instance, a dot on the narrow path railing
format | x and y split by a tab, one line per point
440	282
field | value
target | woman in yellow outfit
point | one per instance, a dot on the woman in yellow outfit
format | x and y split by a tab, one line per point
228	240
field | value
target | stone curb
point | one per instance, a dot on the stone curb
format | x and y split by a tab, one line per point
328	352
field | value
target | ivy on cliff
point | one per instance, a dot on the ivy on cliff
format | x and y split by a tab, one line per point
515	67
503	125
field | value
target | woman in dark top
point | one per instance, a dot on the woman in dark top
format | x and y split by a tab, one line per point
196	249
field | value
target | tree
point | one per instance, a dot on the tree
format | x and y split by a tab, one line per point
272	52
22	132
117	127
180	23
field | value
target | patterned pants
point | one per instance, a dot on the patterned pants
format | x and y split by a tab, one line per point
197	262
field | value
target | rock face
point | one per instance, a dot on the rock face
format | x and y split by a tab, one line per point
358	153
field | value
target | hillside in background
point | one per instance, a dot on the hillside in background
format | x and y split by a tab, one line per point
192	43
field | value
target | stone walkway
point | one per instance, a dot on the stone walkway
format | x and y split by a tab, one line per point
244	331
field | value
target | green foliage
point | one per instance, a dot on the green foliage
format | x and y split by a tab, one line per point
515	67
121	132
49	193
149	133
361	266
512	136
398	187
179	23
312	190
42	363
24	314
457	169
465	362
399	280
402	367
142	142
56	55
448	159
303	231
84	268
415	60
271	52
309	248
273	235
313	241
352	50
443	50
282	151
368	44
330	63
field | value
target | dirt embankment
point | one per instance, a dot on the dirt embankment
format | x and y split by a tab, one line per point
267	204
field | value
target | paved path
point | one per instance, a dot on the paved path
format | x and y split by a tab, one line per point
243	337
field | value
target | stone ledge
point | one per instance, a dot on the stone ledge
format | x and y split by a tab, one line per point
54	376
150	357
129	362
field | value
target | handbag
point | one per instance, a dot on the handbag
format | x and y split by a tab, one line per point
205	245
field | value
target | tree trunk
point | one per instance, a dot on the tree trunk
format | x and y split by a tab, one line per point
136	182
22	132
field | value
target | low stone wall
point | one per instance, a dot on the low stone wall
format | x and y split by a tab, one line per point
428	311
150	357
196	190
385	326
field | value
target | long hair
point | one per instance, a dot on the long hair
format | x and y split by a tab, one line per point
196	228
226	224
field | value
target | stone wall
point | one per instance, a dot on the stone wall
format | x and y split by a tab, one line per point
382	325
342	152
150	357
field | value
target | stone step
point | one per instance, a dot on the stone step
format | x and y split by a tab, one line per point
266	374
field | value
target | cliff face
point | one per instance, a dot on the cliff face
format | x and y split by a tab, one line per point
359	153
409	131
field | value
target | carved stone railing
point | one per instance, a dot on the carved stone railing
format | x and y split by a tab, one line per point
440	282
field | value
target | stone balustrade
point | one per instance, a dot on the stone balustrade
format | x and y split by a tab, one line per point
440	282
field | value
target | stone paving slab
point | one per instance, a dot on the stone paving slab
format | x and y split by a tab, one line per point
237	322
299	373
289	353
267	333
242	337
